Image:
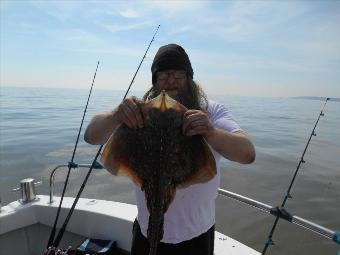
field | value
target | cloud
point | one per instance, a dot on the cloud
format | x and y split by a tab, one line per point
245	20
114	51
6	5
180	30
170	6
74	35
228	21
129	13
61	10
120	27
29	29
242	63
230	40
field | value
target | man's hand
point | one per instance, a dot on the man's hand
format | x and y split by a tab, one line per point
103	124
130	113
196	122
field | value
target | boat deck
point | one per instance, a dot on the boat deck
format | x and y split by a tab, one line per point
25	228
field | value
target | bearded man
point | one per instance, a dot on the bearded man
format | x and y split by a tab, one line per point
190	219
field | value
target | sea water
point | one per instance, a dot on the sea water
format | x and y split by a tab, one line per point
39	127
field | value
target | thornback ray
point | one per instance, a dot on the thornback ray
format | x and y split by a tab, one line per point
159	158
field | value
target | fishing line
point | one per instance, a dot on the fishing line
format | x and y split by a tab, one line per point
280	211
71	164
63	228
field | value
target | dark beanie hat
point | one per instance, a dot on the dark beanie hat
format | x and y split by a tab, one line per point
171	56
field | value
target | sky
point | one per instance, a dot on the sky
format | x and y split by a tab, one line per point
243	48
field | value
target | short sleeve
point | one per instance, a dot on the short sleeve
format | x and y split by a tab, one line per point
221	117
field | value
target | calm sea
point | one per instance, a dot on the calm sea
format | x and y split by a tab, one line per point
38	129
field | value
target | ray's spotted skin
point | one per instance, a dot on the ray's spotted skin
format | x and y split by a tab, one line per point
159	158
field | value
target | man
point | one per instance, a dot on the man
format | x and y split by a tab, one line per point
190	219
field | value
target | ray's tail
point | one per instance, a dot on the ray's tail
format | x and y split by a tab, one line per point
156	222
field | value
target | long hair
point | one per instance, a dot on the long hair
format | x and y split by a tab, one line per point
191	96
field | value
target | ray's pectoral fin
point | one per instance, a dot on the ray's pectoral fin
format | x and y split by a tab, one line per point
206	168
115	157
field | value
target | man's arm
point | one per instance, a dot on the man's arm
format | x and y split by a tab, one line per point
235	146
100	128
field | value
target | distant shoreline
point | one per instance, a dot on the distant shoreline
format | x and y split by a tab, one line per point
141	92
318	98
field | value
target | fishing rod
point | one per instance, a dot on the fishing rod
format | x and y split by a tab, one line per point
55	244
280	211
71	164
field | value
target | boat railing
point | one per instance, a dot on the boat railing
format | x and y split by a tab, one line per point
69	165
273	210
284	214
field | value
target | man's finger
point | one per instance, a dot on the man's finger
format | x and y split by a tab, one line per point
193	119
135	115
128	117
145	112
187	119
137	109
197	123
185	125
190	112
200	130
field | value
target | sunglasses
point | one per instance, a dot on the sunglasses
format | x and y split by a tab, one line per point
178	75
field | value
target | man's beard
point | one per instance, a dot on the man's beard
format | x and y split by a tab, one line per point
185	95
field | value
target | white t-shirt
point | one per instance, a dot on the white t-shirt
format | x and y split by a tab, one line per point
192	211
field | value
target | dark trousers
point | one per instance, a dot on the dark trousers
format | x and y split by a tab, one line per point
200	245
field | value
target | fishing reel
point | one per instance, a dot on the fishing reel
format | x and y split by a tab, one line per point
55	251
88	247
